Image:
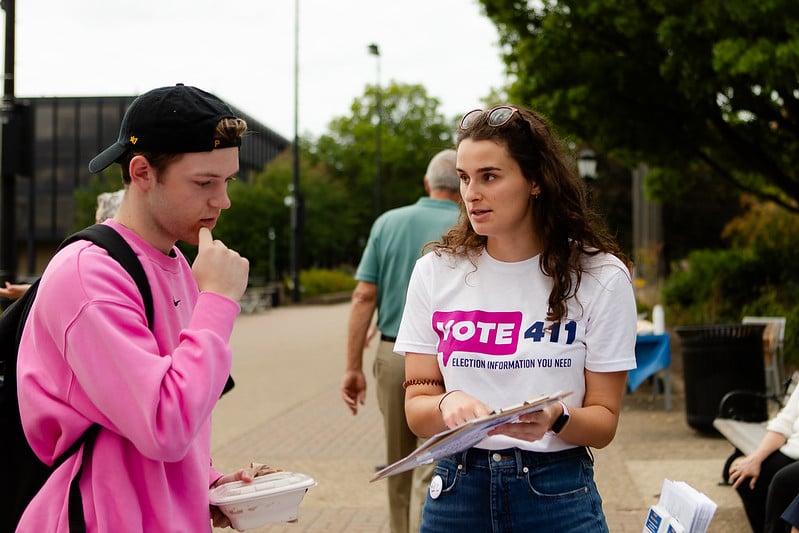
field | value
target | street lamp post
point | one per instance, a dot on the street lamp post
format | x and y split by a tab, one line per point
8	185
296	195
375	51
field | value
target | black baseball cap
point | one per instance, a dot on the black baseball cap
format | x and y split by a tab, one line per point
168	120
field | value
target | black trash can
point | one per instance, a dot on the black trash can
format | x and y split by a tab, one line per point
717	359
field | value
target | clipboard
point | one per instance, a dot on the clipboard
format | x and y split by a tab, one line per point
465	436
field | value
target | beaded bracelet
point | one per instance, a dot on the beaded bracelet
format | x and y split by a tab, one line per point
407	383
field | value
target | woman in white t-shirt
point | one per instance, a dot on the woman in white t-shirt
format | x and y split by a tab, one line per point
527	295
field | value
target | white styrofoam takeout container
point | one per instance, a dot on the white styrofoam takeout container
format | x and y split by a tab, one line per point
270	498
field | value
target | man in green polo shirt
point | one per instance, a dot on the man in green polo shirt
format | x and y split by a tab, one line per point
395	243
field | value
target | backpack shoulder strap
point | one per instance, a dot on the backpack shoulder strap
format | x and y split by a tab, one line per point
118	248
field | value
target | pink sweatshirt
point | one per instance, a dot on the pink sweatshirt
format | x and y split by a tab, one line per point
88	356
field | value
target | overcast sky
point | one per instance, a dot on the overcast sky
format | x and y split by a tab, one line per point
243	51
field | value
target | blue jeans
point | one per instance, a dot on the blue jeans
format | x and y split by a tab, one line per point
503	491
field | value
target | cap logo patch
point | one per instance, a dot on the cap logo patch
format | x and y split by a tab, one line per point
217	142
133	139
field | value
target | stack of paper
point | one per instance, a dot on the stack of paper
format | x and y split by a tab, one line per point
681	508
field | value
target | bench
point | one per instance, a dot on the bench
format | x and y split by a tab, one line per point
742	419
745	436
257	298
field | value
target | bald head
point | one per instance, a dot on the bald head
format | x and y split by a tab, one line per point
441	173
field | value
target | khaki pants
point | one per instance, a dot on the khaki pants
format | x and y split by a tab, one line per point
406	491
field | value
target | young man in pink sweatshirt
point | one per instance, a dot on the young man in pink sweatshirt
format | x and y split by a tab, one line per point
87	355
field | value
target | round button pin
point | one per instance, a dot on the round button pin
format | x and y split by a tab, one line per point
436	485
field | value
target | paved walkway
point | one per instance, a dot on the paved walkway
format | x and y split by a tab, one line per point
286	411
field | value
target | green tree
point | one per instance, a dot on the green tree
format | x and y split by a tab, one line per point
413	130
337	181
245	225
695	88
260	205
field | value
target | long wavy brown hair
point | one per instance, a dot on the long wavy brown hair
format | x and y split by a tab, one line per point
567	226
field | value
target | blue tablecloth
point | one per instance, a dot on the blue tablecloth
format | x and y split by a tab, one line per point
652	353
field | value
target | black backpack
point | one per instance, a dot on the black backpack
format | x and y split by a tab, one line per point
23	474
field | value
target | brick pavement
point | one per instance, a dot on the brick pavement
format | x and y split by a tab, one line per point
286	411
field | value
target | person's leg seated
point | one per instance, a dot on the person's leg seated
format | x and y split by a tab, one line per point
389	372
754	500
791	515
782	490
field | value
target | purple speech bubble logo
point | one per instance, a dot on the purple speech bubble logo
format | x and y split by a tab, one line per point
484	332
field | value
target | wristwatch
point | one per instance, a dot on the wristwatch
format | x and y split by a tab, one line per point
559	422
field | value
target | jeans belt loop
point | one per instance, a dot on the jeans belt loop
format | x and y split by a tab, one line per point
464	459
519	461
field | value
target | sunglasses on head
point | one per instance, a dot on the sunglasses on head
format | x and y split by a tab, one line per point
497	116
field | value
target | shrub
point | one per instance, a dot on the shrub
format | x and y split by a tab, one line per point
711	286
316	281
723	286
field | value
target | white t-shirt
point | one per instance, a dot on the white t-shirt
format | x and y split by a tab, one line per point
486	322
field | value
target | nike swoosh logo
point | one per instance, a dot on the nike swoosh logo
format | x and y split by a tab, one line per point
176	302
